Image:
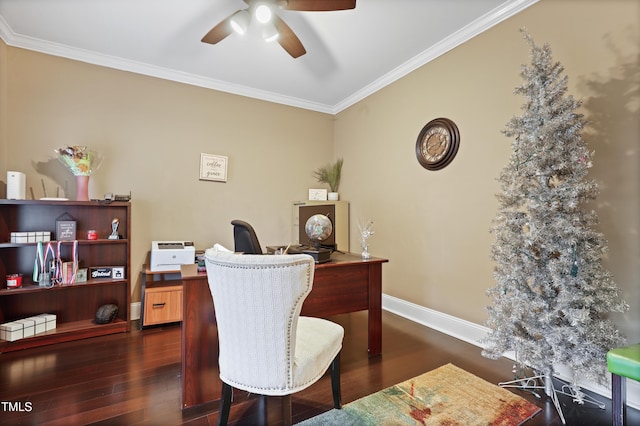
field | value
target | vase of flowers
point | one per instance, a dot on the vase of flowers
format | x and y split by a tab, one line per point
81	163
330	175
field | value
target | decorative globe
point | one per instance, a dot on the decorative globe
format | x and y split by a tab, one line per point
318	228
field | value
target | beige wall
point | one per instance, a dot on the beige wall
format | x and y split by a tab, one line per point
3	116
433	226
151	133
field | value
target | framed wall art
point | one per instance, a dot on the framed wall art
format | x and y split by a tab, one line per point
213	167
65	227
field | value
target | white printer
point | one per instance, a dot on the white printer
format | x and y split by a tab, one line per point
169	255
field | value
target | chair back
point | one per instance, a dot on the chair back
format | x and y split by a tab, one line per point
257	301
245	238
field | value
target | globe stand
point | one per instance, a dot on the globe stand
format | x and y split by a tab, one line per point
319	254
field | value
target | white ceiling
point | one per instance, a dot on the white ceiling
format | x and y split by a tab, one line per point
350	54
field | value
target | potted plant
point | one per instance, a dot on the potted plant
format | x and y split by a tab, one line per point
330	175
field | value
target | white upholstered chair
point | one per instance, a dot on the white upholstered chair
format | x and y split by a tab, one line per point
266	347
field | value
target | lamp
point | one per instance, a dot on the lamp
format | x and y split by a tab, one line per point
240	21
263	13
269	32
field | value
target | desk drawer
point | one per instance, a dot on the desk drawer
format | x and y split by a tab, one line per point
162	305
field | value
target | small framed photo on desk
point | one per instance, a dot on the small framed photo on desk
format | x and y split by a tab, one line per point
317	195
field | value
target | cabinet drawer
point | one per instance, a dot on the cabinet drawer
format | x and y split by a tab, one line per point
162	306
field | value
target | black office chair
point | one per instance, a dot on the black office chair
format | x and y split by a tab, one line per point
245	238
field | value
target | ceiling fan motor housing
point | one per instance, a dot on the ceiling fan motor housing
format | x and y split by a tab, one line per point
280	31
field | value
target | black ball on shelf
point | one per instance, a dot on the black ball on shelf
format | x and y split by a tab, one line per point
106	313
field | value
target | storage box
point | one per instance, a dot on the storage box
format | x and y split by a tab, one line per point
28	327
49	321
14	280
11	331
43	236
19	237
30	237
40	326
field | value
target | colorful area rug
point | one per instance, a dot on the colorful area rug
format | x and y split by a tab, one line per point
447	395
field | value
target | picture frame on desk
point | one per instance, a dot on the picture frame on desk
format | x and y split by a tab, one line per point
317	194
213	167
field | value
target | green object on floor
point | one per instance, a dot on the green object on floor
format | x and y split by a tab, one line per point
625	361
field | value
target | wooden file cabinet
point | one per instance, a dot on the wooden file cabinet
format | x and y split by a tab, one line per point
163	304
161	296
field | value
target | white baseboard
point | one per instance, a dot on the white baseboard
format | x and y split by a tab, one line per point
474	334
135	310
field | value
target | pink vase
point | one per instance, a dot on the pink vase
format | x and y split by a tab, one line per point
82	188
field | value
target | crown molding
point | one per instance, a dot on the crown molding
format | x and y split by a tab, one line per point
499	14
63	51
480	25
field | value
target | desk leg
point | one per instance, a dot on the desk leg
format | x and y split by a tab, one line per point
200	375
142	293
375	309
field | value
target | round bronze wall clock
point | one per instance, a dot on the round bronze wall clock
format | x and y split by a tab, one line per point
437	143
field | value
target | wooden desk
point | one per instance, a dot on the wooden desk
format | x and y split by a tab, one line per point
346	284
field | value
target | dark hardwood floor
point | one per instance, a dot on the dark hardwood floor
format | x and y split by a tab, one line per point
134	379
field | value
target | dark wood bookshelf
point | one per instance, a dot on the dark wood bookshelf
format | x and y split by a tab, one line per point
75	304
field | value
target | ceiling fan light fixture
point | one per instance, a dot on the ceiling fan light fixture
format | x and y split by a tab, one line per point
263	13
270	33
240	21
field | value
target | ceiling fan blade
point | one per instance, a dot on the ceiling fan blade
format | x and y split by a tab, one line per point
319	5
219	32
288	39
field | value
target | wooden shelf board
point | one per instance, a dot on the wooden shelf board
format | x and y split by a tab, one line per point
80	242
66	332
32	288
92	203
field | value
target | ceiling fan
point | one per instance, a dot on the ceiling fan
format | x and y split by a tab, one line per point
273	27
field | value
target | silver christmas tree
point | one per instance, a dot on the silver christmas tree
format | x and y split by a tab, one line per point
552	296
